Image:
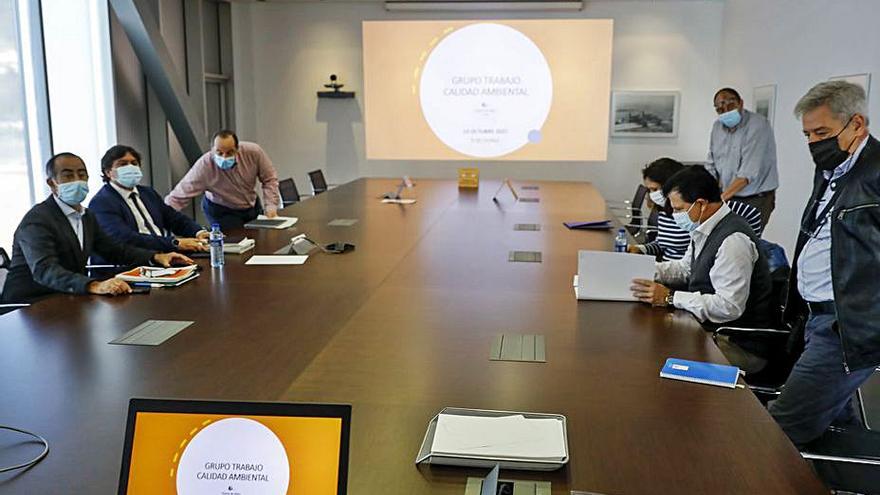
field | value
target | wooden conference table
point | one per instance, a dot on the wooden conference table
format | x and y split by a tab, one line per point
400	328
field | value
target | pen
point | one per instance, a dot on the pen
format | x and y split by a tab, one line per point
146	284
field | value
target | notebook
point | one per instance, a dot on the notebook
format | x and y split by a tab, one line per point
264	222
162	276
694	371
238	245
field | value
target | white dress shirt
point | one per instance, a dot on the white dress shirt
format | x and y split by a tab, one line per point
141	225
814	263
74	217
731	275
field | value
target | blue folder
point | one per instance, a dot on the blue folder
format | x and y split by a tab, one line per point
597	225
697	372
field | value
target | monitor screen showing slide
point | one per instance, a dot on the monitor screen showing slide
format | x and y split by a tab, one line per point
235	448
487	90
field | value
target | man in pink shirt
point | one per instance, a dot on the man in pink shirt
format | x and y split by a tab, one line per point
227	175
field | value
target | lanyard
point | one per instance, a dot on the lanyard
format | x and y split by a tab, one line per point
814	223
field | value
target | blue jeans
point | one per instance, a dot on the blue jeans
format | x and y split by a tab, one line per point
819	392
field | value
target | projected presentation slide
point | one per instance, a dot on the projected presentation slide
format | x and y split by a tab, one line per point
209	454
494	90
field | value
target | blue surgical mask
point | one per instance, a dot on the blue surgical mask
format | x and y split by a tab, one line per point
730	119
129	176
224	163
683	220
658	198
73	193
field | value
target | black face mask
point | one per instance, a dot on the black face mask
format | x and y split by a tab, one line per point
827	154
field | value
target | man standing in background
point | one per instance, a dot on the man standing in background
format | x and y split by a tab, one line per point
742	154
228	174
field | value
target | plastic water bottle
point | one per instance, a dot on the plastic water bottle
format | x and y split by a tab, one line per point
620	241
216	242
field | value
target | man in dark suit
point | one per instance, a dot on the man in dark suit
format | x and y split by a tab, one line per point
834	283
137	215
56	237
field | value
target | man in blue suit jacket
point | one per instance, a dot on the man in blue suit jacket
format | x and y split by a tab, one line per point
137	215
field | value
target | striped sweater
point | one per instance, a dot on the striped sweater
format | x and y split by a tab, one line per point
672	242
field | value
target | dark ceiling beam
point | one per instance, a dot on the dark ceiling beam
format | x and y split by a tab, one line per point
142	30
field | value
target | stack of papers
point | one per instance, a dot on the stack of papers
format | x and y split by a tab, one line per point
513	436
275	259
160	277
608	276
264	222
238	245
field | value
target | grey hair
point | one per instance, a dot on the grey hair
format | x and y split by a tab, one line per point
843	98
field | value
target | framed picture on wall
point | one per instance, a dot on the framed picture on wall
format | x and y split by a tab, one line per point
863	80
764	98
644	113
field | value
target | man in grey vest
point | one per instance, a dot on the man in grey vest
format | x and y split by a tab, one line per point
723	277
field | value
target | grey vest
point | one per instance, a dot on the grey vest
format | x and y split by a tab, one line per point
758	312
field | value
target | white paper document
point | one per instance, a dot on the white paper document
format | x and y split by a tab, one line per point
505	436
608	276
402	201
276	260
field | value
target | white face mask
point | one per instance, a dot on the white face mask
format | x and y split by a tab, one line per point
658	198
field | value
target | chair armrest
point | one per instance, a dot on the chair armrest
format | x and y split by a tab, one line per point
846	445
764	390
748	331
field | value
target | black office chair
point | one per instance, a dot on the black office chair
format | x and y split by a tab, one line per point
630	211
847	460
781	343
5	262
319	185
289	193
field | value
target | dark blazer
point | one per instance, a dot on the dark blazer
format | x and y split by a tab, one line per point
855	259
47	258
117	220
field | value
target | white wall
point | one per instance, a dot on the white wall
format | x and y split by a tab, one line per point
670	45
795	44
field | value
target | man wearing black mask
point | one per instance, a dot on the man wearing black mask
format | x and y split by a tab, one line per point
836	290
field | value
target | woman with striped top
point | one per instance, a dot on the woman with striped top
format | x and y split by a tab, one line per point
671	241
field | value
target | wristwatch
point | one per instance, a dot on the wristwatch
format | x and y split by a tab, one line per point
175	242
670	297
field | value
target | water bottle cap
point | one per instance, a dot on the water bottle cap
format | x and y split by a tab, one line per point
215	226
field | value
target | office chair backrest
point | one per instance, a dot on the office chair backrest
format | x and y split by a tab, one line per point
638	201
319	185
289	193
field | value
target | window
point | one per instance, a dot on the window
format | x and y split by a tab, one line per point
15	179
217	43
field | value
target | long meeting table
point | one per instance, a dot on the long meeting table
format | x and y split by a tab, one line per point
400	328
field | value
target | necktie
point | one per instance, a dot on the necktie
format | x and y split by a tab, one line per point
137	206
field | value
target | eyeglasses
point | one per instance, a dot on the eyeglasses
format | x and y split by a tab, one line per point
725	104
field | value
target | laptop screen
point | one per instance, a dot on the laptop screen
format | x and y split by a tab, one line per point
225	448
